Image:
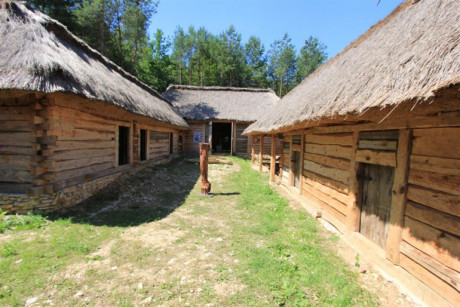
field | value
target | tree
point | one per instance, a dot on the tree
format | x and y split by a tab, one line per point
282	64
61	10
230	58
312	55
256	63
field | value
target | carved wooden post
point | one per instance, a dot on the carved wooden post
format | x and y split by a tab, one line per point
205	185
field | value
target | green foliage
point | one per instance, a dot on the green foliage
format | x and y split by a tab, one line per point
18	222
282	65
312	55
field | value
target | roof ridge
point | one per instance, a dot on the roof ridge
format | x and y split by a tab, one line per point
220	88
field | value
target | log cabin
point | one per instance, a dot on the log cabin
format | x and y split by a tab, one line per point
219	115
71	121
371	142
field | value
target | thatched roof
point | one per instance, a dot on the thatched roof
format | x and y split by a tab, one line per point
220	103
410	55
40	54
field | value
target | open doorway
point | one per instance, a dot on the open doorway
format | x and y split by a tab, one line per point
221	137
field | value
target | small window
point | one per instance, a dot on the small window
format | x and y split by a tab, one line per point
143	147
123	145
296	139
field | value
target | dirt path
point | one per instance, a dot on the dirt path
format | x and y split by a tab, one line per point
172	254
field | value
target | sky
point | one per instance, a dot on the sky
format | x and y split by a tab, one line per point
336	23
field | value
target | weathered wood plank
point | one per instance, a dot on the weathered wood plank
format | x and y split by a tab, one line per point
334	203
341	197
17	150
82	153
329	150
442	182
78	163
444	202
15	161
354	211
15	126
83	135
434	218
82	171
333	173
14	188
344	139
328	161
71	123
319	203
433	242
435	165
376	157
398	199
333	184
69	145
15	176
436	268
379	135
438	285
437	142
16	138
378	145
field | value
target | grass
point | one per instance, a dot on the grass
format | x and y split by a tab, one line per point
268	253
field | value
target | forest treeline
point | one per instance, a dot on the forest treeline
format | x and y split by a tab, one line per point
193	56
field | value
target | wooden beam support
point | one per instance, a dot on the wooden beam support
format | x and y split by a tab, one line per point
399	198
261	152
253	154
354	212
273	159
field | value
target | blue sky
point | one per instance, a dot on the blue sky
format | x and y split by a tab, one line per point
335	22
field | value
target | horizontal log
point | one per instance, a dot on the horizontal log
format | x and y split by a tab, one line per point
15	176
14	188
438	285
83	135
83	153
333	173
63	175
376	157
70	124
16	138
444	202
328	161
17	150
436	268
336	185
47	140
444	183
434	218
344	139
385	135
15	161
378	145
438	142
69	145
329	150
435	165
343	198
433	242
78	163
334	203
15	126
319	203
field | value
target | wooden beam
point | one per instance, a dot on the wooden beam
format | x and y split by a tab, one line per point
398	199
261	152
376	157
253	154
302	152
273	159
354	212
233	138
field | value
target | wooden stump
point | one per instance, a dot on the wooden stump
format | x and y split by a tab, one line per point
204	152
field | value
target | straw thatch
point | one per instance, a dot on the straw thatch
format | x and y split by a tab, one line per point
40	54
220	103
409	55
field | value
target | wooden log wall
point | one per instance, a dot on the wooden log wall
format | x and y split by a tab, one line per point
285	160
189	146
17	143
326	171
430	247
267	145
158	144
242	142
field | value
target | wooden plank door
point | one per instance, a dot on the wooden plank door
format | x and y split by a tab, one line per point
295	166
377	182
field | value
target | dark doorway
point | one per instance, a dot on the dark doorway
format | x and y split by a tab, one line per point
376	186
143	147
123	145
171	143
221	137
295	166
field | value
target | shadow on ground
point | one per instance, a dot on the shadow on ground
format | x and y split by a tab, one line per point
151	194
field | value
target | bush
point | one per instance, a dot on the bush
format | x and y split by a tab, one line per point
29	221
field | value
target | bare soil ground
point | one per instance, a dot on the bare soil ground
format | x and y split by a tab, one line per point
169	254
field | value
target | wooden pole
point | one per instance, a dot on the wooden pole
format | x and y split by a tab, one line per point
261	152
399	198
253	153
354	212
273	159
205	185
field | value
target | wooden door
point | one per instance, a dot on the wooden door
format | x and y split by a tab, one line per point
377	182
295	166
